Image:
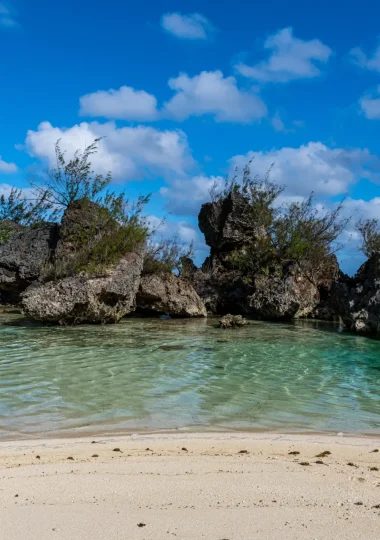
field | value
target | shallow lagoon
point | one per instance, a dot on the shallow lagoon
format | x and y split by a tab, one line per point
173	374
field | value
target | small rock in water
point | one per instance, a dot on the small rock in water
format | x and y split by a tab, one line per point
172	347
232	321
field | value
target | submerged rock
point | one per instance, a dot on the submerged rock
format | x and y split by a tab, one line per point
357	299
22	258
104	298
232	321
166	293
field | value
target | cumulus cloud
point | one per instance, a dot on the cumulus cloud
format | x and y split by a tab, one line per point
129	152
126	103
209	93
187	234
193	26
212	93
185	196
290	58
314	167
328	172
365	61
370	105
7	168
7	17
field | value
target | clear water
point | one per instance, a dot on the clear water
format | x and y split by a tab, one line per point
167	374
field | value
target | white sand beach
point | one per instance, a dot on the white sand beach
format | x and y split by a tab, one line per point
216	486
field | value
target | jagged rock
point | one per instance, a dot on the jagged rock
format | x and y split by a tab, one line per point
225	287
357	299
228	224
168	294
232	321
82	299
22	258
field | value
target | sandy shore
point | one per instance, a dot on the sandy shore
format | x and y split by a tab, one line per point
191	486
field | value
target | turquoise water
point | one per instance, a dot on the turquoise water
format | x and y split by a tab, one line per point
167	374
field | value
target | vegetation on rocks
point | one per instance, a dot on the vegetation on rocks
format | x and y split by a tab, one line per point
166	255
369	230
282	234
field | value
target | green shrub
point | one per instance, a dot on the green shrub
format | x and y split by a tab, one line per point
298	232
166	255
369	230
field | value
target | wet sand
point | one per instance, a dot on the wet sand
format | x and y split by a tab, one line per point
229	486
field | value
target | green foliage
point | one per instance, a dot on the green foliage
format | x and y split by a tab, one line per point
15	208
369	230
298	232
166	255
118	229
303	232
72	180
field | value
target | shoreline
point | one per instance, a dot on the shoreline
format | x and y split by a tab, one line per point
189	486
164	433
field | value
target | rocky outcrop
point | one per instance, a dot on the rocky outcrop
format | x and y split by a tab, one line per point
357	299
82	222
104	298
278	293
165	293
227	224
22	258
232	321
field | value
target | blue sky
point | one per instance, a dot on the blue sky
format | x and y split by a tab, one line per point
183	91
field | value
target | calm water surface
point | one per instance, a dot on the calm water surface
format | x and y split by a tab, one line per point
157	374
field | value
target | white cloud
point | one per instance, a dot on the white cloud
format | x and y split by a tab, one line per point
212	93
185	196
314	167
192	26
124	104
187	234
361	59
370	105
129	152
290	58
7	19
359	208
7	168
328	172
209	93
